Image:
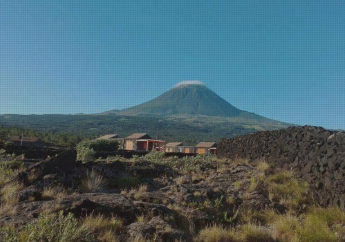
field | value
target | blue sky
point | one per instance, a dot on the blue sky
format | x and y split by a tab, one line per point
281	59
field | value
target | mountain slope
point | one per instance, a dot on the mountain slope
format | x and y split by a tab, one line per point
192	98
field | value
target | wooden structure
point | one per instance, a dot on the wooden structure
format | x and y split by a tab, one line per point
143	142
174	147
188	149
108	137
26	141
206	148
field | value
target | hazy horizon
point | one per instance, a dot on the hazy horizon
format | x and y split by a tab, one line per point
283	61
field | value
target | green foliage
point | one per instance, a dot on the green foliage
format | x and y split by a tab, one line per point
87	150
100	145
86	154
49	227
154	156
49	136
190	163
231	219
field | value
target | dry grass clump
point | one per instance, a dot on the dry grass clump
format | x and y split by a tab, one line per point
262	166
93	182
181	180
323	224
144	218
255	233
8	170
285	227
106	229
286	189
140	192
238	185
9	195
253	184
317	224
216	234
258	217
51	193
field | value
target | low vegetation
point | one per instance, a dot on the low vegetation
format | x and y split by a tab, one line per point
87	150
49	227
202	199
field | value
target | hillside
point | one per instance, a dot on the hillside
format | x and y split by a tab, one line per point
185	128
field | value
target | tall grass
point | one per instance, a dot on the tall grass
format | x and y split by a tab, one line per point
93	182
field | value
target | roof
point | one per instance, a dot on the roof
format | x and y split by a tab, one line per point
174	144
108	136
205	145
25	139
138	136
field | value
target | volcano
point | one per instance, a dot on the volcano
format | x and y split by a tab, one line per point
189	97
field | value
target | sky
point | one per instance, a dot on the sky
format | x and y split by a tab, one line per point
284	60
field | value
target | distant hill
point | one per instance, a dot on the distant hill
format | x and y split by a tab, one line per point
189	112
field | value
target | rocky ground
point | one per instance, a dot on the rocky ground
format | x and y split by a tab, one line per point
153	198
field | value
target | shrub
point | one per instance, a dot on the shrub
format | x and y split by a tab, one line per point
154	156
86	154
92	182
99	145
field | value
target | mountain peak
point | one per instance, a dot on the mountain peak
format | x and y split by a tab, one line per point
190	82
188	97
